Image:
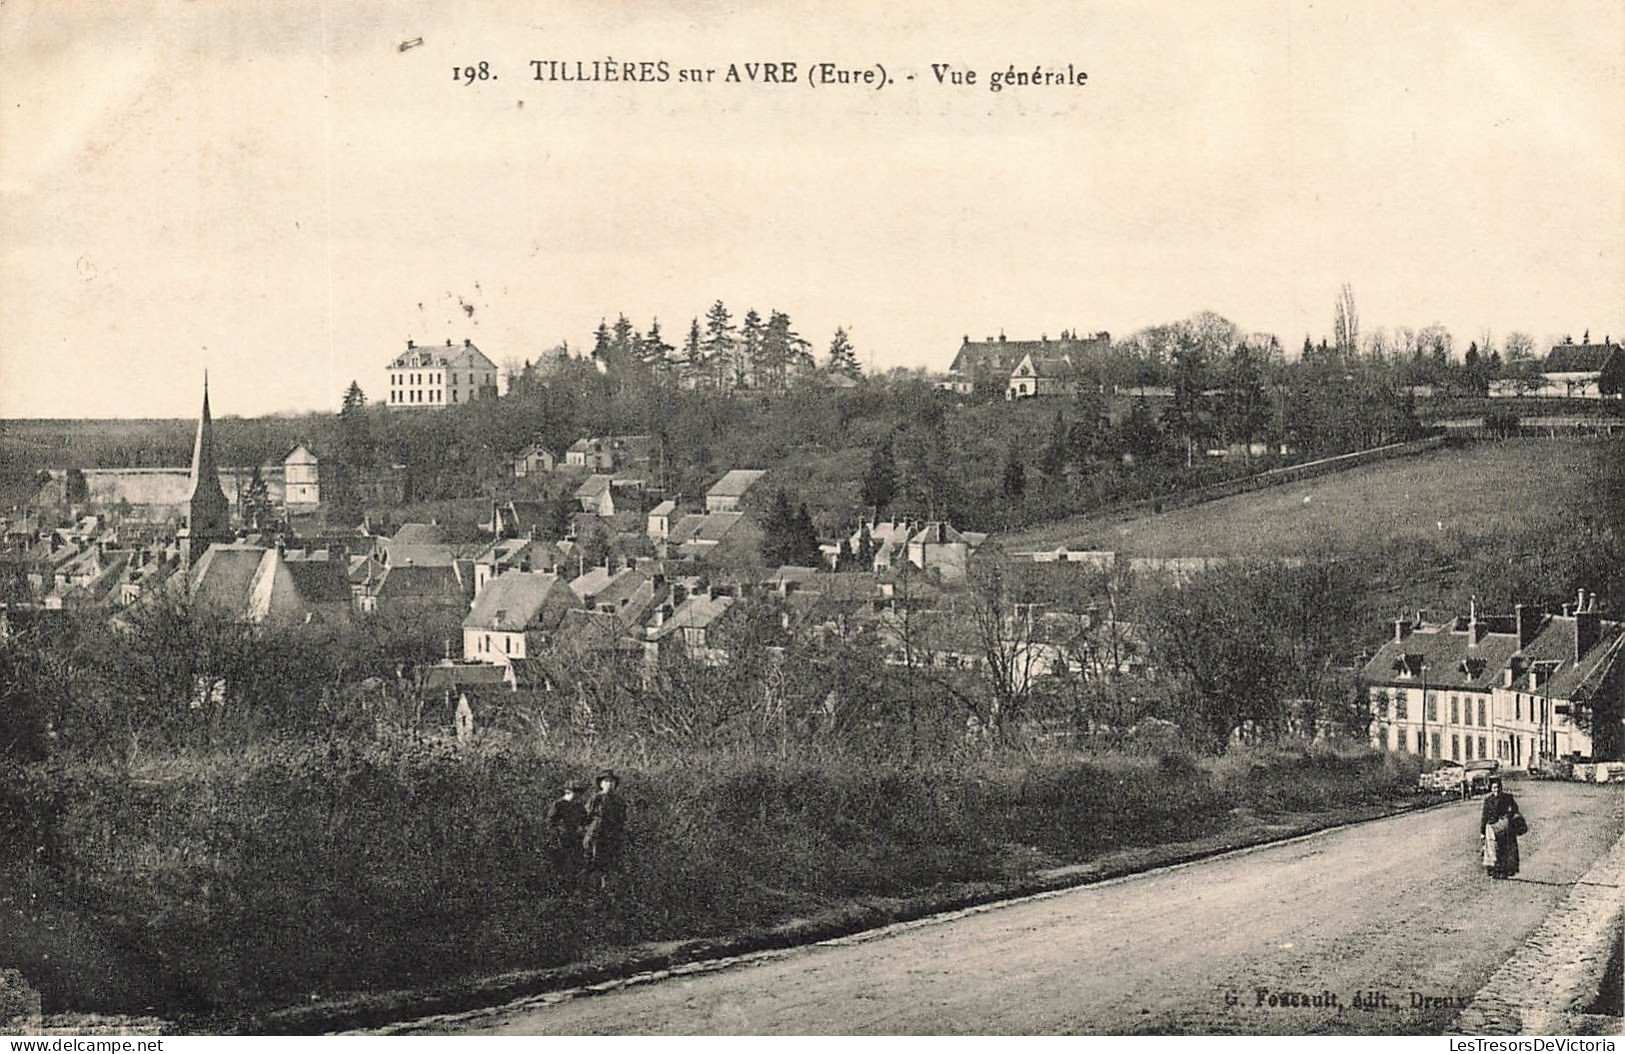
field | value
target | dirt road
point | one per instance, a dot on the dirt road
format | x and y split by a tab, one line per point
1389	913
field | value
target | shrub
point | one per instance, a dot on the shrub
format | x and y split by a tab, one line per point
232	880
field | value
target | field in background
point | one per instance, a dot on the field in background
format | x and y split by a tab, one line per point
1470	491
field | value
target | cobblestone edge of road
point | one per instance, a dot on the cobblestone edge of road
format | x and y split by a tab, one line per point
1543	989
393	1011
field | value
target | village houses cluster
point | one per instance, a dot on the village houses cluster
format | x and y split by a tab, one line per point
638	573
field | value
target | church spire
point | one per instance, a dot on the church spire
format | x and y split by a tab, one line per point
208	513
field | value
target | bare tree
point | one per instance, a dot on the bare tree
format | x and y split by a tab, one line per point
1519	363
1008	645
1346	324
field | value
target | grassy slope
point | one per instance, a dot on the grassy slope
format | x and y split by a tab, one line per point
1471	491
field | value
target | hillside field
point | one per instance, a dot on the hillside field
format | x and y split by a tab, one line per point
1466	491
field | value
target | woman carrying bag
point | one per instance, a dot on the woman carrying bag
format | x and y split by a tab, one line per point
1499	825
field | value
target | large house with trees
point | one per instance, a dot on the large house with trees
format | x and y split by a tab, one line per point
433	378
1524	689
1052	367
1584	371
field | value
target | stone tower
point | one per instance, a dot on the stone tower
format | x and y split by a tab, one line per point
208	513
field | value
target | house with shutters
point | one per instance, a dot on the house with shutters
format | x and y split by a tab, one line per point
1523	689
431	377
514	615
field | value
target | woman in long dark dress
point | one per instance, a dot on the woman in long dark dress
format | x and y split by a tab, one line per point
1497	824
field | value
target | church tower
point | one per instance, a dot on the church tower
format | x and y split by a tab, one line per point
208	513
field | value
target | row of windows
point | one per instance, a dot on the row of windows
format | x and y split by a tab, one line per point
415	396
403	380
483	643
1461	709
1458	744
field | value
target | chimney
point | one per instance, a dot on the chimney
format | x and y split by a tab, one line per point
448	342
1528	625
1587	630
1402	629
1475	629
409	344
467	343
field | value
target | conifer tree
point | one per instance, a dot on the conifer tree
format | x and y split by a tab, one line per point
719	343
842	357
880	479
750	347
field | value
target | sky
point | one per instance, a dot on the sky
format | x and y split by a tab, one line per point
279	194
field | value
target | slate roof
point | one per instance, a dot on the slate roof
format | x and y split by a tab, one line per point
418	581
623	593
420	555
522	515
598	630
735	483
1057	367
419	534
665	508
590	581
364	569
465	674
525	600
937	533
464	356
697	612
254	582
1452	664
1581	358
224	575
593	486
320	581
1003	356
704	528
513	552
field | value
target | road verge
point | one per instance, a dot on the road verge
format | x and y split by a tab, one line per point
1545	988
862	919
